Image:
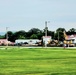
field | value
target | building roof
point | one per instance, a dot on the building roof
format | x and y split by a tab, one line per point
3	39
71	37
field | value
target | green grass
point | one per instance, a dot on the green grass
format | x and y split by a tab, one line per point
42	61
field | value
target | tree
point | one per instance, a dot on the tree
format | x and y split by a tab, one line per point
59	34
19	35
35	31
71	31
10	34
60	30
2	36
33	36
39	35
49	33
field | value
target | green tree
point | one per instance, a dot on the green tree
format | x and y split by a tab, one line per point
19	35
10	34
2	36
71	31
49	33
59	34
33	36
35	31
60	30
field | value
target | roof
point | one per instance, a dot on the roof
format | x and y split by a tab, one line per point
71	36
3	39
46	36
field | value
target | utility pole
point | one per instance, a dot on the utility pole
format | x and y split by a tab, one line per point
7	35
45	28
58	36
45	33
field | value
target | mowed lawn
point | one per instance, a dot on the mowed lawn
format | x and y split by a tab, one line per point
37	61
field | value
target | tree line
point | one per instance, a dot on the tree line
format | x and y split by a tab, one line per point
36	33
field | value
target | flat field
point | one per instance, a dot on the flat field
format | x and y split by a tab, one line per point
37	61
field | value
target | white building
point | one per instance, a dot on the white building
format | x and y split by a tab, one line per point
29	41
72	37
47	39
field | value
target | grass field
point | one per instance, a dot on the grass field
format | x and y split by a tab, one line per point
42	61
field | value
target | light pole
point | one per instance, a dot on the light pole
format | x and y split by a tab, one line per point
46	32
7	35
58	36
45	28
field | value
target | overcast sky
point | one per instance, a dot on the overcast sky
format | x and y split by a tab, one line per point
27	14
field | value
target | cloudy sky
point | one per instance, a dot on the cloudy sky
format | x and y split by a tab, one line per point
27	14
